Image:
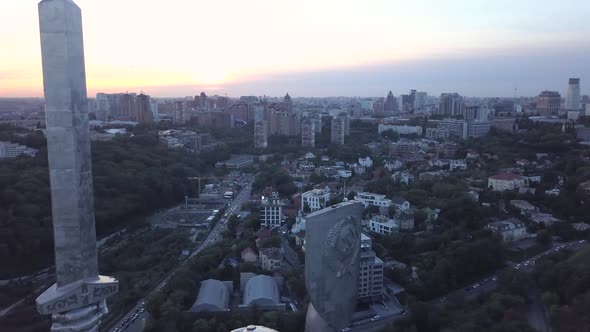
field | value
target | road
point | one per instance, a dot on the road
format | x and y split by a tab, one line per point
133	321
485	285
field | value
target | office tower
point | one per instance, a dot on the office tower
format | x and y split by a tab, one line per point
154	108
451	104
390	104
548	103
572	100
332	263
308	133
136	108
261	134
77	301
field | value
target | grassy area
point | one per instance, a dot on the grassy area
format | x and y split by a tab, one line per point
581	258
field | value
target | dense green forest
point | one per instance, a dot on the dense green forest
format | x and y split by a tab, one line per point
134	176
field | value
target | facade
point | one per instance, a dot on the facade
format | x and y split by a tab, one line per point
437	133
315	199
136	108
477	129
366	162
271	212
506	181
510	230
402	130
308	133
451	104
383	225
12	150
261	135
572	100
270	259
548	103
370	273
405	221
370	199
455	127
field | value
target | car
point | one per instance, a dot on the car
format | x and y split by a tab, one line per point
468	289
346	329
443	299
582	242
494	278
375	318
476	285
404	313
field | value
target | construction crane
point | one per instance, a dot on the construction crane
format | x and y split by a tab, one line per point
199	178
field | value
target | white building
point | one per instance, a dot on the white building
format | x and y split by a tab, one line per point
270	259
401	204
366	162
315	199
457	164
370	274
370	199
13	150
510	230
402	130
572	99
403	177
383	225
271	212
506	181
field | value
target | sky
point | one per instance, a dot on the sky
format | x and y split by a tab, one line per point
311	47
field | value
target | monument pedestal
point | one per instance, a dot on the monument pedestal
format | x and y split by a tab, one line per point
315	323
85	319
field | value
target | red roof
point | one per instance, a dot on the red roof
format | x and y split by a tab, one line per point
506	177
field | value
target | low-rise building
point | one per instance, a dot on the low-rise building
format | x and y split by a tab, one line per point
13	150
524	206
510	229
366	162
403	177
271	211
370	199
315	199
270	259
507	181
249	255
405	221
544	218
383	225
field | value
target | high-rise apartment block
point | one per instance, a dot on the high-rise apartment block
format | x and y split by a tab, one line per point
261	134
451	104
339	129
572	101
308	133
371	272
548	103
136	108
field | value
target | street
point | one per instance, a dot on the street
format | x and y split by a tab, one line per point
134	320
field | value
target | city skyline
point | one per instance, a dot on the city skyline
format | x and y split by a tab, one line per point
337	49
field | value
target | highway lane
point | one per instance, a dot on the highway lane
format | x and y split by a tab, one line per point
133	321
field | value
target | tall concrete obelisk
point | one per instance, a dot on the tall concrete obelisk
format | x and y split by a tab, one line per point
77	300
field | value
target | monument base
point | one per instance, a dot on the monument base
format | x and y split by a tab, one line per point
85	319
315	323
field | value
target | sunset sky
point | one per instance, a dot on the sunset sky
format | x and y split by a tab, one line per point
311	47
